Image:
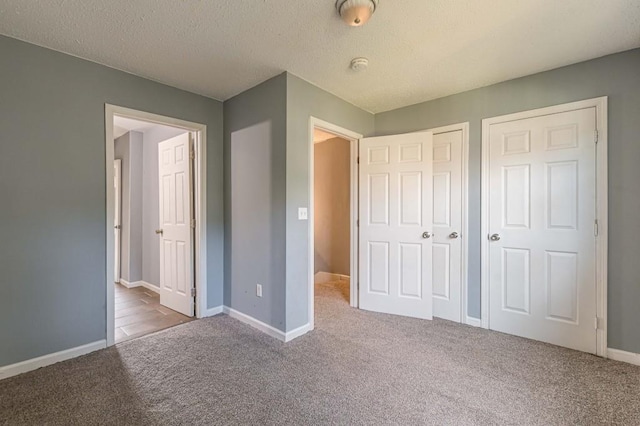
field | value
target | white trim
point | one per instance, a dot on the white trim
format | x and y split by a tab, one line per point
316	123
249	320
265	328
42	361
127	284
325	277
213	311
464	254
150	286
600	104
200	192
623	356
295	333
473	322
135	284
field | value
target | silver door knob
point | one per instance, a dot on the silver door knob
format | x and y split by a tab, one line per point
453	235
426	235
495	237
159	231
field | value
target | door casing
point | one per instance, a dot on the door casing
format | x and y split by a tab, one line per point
600	104
200	194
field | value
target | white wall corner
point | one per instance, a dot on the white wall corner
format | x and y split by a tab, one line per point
45	360
150	286
257	324
623	356
213	311
295	333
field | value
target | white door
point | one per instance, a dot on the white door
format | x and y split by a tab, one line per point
447	225
117	215
176	237
396	224
542	204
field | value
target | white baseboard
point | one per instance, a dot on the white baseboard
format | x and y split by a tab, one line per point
325	277
150	286
474	322
249	320
624	356
213	311
144	284
42	361
290	335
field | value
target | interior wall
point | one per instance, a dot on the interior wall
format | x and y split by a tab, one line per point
304	101
615	76
332	206
54	261
255	179
151	201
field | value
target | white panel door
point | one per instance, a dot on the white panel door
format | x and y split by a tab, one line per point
395	224
542	206
117	217
447	225
176	237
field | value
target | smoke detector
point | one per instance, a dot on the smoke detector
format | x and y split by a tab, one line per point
359	64
356	12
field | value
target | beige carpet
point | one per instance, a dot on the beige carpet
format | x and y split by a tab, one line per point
355	368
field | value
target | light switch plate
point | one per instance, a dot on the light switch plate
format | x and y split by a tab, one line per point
302	213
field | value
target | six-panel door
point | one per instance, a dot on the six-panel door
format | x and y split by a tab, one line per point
542	205
176	238
395	248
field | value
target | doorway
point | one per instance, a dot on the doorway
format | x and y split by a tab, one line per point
156	221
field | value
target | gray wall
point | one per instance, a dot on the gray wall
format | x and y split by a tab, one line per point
255	179
616	76
304	101
151	201
52	173
332	206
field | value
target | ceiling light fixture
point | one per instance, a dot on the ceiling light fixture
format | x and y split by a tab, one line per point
356	12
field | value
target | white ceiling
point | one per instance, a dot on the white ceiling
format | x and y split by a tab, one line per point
418	49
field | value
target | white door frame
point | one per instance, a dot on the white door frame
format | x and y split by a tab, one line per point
601	138
353	138
200	194
117	183
464	127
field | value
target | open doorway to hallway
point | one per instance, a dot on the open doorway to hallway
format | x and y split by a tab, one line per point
156	222
332	210
153	186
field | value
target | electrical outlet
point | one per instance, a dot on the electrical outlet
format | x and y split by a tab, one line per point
259	290
302	213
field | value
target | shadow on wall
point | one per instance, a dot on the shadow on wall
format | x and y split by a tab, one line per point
255	239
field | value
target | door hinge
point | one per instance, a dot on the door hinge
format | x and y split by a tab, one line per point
595	228
357	222
193	223
358	160
193	292
192	154
596	136
596	323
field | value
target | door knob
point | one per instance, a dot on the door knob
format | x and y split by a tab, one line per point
495	237
159	231
426	235
453	235
117	227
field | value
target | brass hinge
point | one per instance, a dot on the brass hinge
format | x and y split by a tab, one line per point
193	223
193	292
358	160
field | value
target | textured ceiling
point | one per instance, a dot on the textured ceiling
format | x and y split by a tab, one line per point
418	49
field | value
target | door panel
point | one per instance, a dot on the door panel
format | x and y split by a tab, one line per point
542	204
176	245
447	220
396	209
